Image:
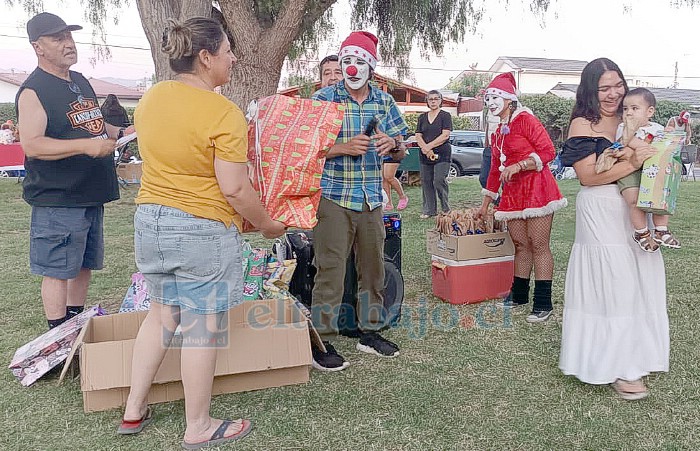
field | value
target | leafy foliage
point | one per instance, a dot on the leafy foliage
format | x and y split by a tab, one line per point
458	122
666	109
7	111
551	110
307	85
411	121
470	84
554	112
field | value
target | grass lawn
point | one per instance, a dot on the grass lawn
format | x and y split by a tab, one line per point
493	385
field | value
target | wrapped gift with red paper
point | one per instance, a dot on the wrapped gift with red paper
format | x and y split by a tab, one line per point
288	139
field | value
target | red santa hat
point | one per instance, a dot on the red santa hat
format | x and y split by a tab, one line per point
503	86
361	44
684	117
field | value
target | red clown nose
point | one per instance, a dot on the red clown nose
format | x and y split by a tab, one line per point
351	71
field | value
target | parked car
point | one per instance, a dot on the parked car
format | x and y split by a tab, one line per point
467	151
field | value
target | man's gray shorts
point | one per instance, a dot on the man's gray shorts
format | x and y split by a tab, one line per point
63	240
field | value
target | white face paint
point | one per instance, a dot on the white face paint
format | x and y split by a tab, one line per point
495	104
355	72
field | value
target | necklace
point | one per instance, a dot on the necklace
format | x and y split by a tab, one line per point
499	148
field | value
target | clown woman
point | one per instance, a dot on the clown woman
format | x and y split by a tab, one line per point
529	195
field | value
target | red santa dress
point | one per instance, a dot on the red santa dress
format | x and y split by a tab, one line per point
531	193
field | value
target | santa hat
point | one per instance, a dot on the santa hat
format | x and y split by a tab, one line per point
503	86
361	44
684	117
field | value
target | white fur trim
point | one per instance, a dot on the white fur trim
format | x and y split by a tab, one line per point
500	93
532	212
491	194
353	50
538	161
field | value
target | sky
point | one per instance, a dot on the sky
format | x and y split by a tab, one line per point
645	37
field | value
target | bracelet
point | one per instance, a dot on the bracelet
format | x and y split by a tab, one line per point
523	165
397	146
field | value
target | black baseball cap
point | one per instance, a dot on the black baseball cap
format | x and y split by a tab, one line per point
46	24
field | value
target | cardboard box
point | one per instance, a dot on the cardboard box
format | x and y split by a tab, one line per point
471	281
268	346
47	351
469	247
661	176
130	172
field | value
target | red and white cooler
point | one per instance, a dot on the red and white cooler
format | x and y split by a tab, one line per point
471	281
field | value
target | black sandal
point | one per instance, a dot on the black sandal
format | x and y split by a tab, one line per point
218	436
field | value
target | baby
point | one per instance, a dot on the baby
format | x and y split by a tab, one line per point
638	108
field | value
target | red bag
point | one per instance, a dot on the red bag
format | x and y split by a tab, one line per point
288	139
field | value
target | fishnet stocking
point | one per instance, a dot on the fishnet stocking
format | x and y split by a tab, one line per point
517	228
539	231
531	238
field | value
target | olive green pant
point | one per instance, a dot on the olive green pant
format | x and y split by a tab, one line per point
337	231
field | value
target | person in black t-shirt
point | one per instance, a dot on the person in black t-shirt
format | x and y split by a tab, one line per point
432	135
70	169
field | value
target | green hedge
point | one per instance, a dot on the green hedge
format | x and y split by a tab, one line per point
458	122
7	111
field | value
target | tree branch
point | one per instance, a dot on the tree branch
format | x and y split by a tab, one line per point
297	16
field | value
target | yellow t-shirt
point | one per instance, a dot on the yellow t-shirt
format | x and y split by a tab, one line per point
180	130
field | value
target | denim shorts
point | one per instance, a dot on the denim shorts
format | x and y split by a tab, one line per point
63	240
188	262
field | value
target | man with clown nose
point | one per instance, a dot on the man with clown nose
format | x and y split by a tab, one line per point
350	212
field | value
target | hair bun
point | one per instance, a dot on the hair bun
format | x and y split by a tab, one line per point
177	40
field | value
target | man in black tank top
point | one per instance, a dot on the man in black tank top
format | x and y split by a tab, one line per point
69	160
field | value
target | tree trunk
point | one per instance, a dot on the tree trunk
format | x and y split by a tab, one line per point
260	50
154	15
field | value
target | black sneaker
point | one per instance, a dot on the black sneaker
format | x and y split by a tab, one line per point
329	360
373	343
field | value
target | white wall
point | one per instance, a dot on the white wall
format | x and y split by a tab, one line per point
8	91
538	83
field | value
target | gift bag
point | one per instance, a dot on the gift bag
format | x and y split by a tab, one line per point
136	297
254	266
661	175
287	142
40	355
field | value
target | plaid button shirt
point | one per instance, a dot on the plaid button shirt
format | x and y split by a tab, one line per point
353	181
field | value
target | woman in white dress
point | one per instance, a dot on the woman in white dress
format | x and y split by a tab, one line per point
615	326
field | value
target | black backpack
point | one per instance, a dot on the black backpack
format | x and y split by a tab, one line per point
299	245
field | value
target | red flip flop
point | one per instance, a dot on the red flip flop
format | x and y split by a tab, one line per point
136	426
218	436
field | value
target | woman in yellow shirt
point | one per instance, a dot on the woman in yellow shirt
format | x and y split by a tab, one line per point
194	193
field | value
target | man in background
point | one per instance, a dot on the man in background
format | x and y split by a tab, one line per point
330	71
